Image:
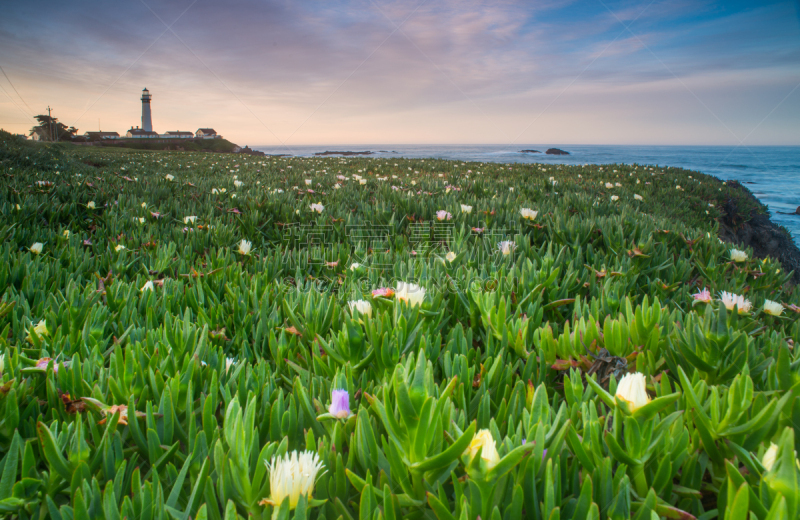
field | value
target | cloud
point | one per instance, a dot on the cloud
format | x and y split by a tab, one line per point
383	71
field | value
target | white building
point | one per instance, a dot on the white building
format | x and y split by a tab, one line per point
140	133
177	135
206	133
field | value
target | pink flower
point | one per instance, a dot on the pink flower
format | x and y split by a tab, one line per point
385	292
340	404
42	364
703	296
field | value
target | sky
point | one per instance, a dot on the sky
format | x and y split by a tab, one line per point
549	72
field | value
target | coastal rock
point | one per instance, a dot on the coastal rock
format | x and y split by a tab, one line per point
556	151
250	151
343	153
529	151
761	234
797	211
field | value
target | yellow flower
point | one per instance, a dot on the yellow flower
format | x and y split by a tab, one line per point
631	389
40	329
291	476
770	456
483	439
91	205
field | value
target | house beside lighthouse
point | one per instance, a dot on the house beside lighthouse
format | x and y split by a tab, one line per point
146	130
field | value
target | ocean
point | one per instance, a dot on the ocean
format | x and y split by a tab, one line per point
772	173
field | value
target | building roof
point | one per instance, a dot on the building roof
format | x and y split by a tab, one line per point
207	130
140	131
178	132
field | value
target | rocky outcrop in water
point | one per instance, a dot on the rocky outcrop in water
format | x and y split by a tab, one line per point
343	153
762	235
556	151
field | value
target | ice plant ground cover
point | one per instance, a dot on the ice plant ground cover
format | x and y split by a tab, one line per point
263	359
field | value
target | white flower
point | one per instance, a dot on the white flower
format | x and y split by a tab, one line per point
354	266
318	207
244	247
609	185
291	476
466	209
773	308
91	205
229	362
170	177
410	293
119	248
362	181
362	306
484	442
506	247
632	389
238	184
308	182
190	219
614	198
443	215
148	286
637	197
450	256
738	256
337	186
141	220
36	248
770	456
677	187
729	300
528	214
144	204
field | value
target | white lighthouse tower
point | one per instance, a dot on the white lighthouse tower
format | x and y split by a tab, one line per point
147	122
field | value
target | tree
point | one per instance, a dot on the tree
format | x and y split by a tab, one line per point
50	127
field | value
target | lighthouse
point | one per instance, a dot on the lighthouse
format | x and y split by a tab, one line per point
147	122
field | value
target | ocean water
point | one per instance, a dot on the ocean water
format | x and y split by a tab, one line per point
772	173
